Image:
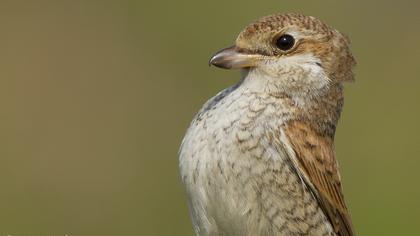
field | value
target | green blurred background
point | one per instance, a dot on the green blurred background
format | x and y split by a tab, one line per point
95	98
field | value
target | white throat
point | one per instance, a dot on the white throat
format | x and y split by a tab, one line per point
301	77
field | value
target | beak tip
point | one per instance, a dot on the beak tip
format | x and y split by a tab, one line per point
220	60
214	62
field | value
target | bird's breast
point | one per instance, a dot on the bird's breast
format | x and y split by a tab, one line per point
228	156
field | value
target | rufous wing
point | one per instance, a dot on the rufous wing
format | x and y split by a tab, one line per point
317	166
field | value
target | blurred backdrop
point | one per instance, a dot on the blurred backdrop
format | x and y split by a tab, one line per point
95	98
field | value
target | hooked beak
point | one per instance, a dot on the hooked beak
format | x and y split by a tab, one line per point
232	58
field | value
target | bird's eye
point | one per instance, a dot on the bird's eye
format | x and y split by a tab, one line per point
285	42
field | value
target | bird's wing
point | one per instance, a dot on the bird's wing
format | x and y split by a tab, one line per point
313	157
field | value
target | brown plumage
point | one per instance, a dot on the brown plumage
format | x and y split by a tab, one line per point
259	159
317	163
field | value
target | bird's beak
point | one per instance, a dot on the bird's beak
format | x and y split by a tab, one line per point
232	58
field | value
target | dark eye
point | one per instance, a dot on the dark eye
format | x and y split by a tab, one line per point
285	42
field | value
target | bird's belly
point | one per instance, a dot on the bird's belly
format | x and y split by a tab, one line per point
240	183
238	189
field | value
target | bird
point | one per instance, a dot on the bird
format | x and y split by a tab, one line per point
258	158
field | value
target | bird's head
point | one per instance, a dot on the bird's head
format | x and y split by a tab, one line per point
297	54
